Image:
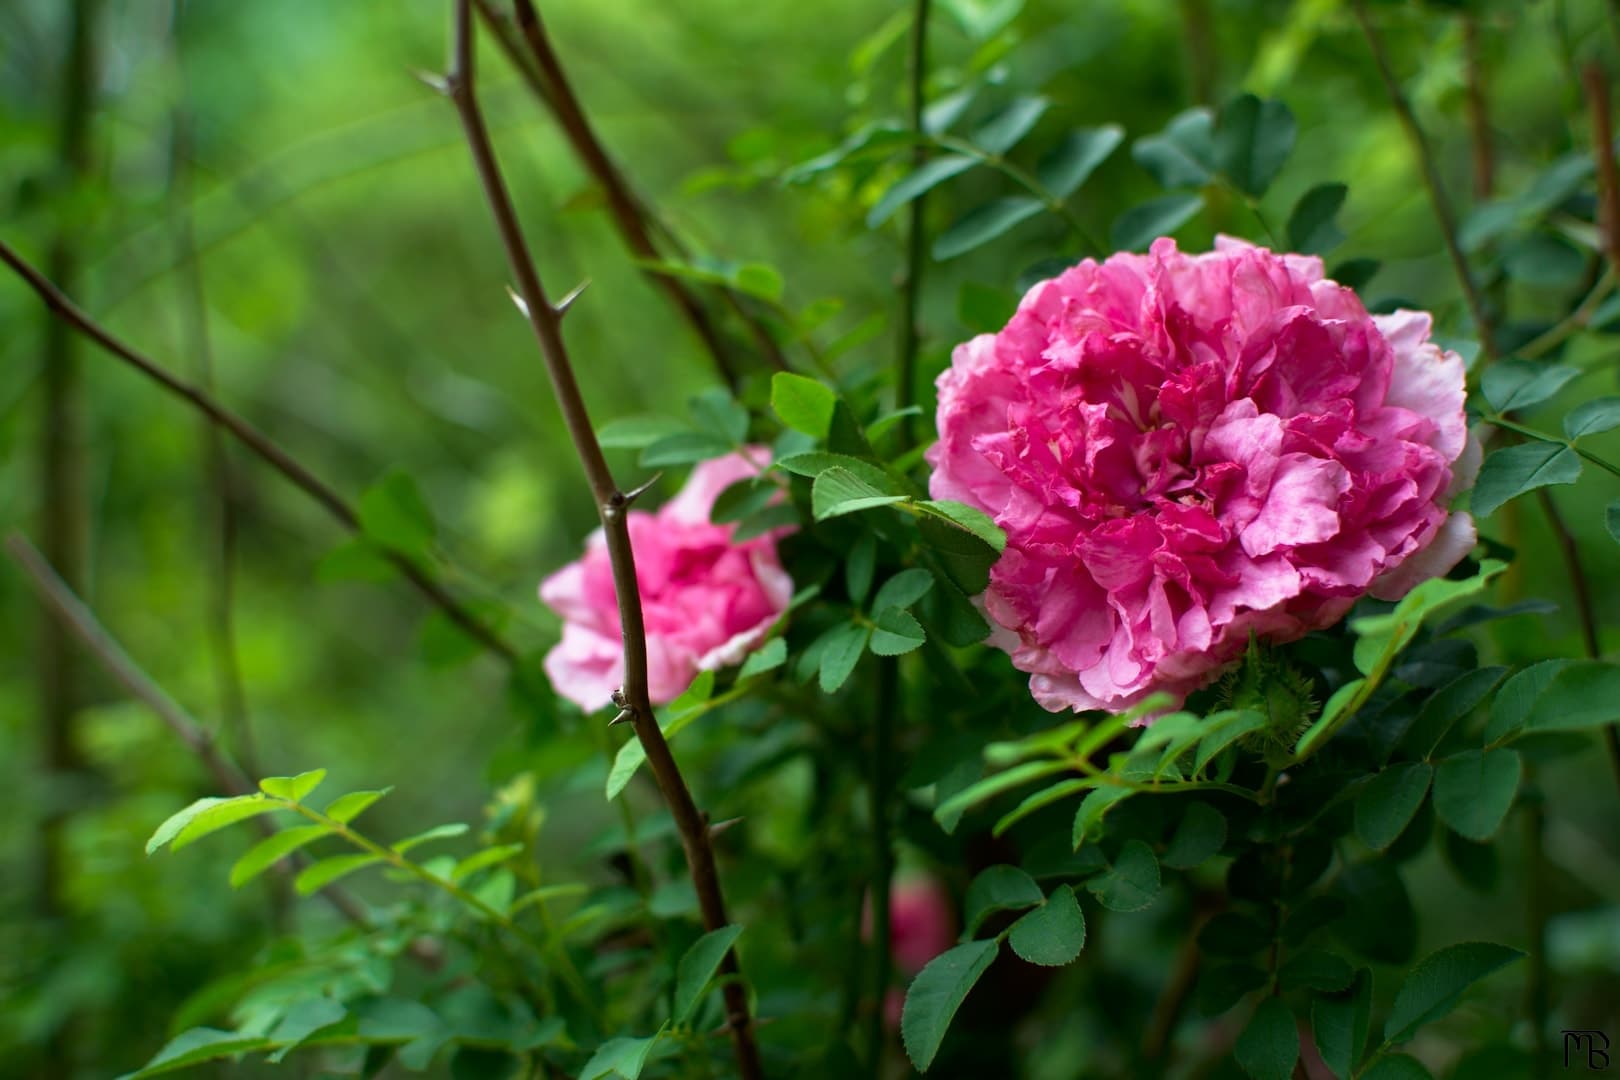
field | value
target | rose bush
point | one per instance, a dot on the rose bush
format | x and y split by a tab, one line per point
1185	450
705	600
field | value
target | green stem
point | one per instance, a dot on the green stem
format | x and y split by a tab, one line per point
1541	436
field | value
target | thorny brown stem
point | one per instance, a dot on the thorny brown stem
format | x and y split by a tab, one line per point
262	446
1430	168
613	507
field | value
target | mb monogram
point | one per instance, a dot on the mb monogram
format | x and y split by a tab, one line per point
1593	1045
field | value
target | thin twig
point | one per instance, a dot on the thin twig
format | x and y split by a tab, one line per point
1596	82
630	215
1430	168
613	509
256	441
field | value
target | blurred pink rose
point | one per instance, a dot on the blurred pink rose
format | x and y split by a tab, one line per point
706	601
921	925
1185	449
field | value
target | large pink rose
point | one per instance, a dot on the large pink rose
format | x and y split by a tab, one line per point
1185	449
706	601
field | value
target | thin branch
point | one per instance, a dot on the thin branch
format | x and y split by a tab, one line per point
1430	168
261	445
1596	82
631	217
613	509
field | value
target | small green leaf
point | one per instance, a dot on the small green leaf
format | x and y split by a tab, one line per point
1039	801
272	849
803	404
1242	723
991	786
896	632
1593	417
1438	981
683	448
935	995
768	657
482	860
1183	154
318	875
221	816
1088	818
292	788
929	175
903	589
1311	227
1474	790
1449	704
815	462
638	432
1387	803
1131	883
1004	130
838	491
983	224
346	808
998	888
438	832
393	513
1316	969
840	655
761	280
303	1020
1252	140
1518	384
697	968
740	500
1579	696
195	1047
1144	223
1510	709
1201	834
1340	1024
356	559
717	413
858	566
622	1057
1269	1045
171	826
1054	933
970	518
1072	161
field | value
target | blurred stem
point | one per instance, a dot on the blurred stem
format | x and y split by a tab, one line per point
1202	62
916	239
1430	169
1596	82
888	671
262	446
634	221
1573	323
220	510
1483	153
612	507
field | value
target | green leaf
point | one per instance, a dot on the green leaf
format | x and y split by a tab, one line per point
1340	1024
1004	130
356	559
683	448
983	224
998	888
929	175
171	826
1144	223
1433	987
292	788
838	491
1380	637
840	655
717	413
271	850
1131	883
1581	695
624	1057
1269	1045
815	462
803	404
1316	969
1040	800
1593	417
1511	707
935	995
970	518
303	1020
1449	704
1201	834
222	815
1072	161
903	589
741	499
1380	923
1253	139
768	657
195	1047
393	513
438	832
1510	385
638	432
346	808
896	632
761	280
859	563
1312	229
965	558
1088	818
318	875
1183	154
1054	933
1387	804
1474	790
773	517
482	860
1242	723
697	968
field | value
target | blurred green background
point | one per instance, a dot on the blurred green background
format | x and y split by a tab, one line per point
351	288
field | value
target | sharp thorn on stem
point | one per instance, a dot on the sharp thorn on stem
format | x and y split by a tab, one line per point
628	497
522	304
721	826
439	84
625	715
562	306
